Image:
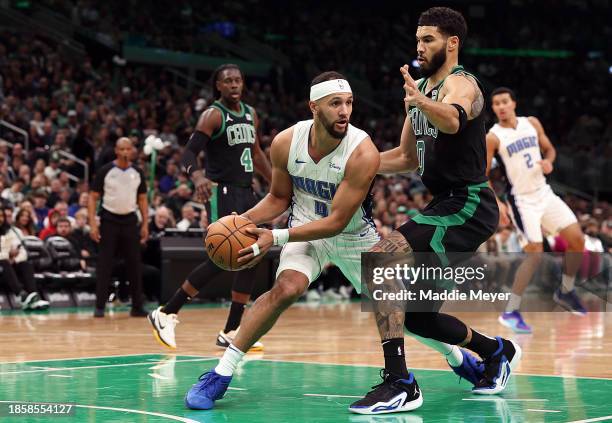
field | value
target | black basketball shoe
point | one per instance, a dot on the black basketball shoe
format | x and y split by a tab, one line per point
393	395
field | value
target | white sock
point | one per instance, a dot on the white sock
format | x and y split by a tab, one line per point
567	283
230	360
451	352
514	303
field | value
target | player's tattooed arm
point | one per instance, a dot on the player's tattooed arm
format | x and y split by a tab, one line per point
462	89
477	99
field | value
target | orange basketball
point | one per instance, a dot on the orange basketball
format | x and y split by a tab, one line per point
225	238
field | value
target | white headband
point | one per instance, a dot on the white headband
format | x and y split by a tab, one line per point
325	88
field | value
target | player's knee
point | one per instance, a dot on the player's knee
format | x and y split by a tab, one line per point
575	242
287	290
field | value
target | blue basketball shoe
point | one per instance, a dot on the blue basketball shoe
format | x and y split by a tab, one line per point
498	368
514	321
210	387
470	369
570	301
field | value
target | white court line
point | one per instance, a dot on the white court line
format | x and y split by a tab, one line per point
144	363
157	376
265	358
333	396
543	411
129	410
596	419
502	399
414	368
236	389
83	358
59	376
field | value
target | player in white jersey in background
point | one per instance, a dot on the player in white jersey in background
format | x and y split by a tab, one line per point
525	154
322	169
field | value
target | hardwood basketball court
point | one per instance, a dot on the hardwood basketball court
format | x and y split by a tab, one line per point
317	360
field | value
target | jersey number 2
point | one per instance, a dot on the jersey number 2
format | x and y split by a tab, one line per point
420	145
246	160
528	160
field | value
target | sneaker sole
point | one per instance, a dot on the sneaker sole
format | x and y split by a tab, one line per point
514	329
412	405
513	363
157	336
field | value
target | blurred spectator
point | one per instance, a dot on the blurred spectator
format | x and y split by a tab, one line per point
49	228
16	271
25	223
189	218
14	194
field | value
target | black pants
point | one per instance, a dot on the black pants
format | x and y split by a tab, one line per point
123	240
18	276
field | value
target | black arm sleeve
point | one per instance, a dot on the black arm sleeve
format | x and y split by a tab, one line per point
462	116
197	143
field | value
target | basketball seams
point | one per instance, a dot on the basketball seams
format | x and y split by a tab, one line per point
228	235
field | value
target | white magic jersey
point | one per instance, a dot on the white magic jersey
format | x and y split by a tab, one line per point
519	154
315	184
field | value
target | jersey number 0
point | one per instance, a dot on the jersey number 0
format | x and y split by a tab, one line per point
420	146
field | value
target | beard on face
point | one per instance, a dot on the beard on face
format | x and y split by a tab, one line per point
432	66
329	127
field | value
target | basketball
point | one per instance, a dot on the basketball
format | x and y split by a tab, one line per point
225	238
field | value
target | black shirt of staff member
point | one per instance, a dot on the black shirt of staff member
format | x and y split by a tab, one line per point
122	189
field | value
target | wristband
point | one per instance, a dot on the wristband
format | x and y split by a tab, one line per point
281	236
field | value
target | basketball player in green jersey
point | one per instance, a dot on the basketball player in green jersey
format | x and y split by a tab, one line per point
444	138
227	132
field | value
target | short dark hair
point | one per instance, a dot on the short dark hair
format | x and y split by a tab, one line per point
449	22
503	90
217	72
63	219
326	76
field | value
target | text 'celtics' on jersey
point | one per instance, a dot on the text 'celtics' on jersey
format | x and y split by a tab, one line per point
448	161
229	157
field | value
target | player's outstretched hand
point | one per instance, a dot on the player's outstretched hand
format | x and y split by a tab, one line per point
252	255
410	87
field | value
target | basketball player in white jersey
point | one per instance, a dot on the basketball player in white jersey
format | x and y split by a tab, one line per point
526	155
322	170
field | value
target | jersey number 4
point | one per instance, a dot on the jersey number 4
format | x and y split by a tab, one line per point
246	160
420	146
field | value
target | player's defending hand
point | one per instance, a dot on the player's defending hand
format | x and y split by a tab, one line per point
249	257
203	186
547	166
413	95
